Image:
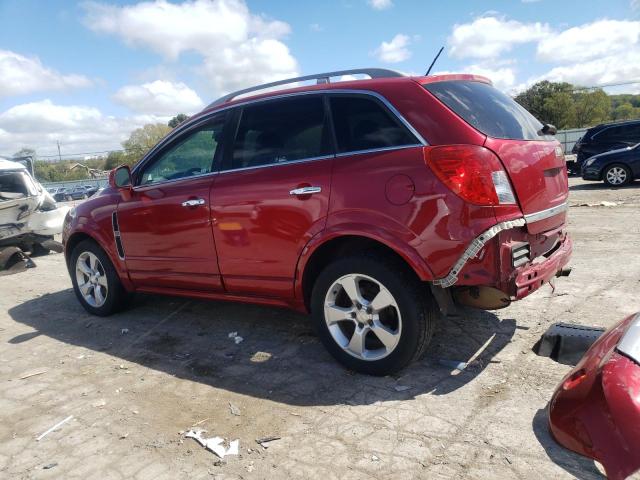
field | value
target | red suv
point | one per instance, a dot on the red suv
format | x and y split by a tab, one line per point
369	203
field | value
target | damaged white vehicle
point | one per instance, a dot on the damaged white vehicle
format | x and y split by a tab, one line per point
29	216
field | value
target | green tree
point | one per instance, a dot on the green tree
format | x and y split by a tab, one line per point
536	99
114	159
177	120
560	110
142	140
592	108
626	111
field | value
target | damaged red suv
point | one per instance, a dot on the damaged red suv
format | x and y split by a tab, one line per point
370	204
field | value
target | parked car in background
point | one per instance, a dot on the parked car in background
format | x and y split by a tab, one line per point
604	138
595	411
368	203
615	168
79	192
90	189
61	194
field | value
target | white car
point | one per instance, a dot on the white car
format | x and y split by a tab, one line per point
29	216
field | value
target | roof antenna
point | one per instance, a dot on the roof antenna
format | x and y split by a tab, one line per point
434	61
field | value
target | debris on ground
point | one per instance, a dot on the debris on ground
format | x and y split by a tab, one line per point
603	203
124	331
566	343
214	444
234	409
265	442
236	338
49	466
33	373
260	357
200	422
99	403
401	388
55	427
454	364
375	458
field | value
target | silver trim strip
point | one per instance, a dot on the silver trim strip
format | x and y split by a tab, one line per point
630	342
549	212
292	162
474	248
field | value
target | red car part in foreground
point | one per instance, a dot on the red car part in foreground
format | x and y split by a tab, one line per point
596	409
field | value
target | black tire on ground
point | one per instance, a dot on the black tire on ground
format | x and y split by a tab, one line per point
413	298
116	297
611	168
37	250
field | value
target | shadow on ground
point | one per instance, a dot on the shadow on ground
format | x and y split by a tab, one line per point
580	467
190	339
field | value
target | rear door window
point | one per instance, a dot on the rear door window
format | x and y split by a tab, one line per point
621	133
363	123
488	110
281	131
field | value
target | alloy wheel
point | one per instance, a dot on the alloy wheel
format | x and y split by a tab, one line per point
363	317
92	280
616	176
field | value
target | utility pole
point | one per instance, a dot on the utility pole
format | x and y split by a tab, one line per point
59	155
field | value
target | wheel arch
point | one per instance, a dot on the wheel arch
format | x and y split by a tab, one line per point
321	251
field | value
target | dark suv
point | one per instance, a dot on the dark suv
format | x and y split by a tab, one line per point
368	203
606	137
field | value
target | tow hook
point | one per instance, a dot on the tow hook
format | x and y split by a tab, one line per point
563	272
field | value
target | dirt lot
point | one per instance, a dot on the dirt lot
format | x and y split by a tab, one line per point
134	381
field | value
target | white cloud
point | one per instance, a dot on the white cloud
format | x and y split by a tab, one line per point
502	78
488	37
588	41
394	51
79	128
159	98
20	75
380	4
238	47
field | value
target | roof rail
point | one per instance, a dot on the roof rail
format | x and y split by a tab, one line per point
320	77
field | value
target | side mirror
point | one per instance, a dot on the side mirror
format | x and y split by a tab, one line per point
120	177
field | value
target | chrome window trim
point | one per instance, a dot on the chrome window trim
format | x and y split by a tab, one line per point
281	164
376	150
549	212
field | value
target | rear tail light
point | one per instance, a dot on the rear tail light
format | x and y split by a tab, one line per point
472	172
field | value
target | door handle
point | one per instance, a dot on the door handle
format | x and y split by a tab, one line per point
305	191
194	202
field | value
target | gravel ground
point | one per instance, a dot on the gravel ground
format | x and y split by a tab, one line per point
136	381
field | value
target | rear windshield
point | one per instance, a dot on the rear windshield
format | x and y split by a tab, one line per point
488	110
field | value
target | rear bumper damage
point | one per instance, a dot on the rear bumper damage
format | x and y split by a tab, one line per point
507	262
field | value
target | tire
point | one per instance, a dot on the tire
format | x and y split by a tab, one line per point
111	291
408	323
617	175
37	250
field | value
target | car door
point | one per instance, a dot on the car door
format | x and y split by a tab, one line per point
272	194
165	225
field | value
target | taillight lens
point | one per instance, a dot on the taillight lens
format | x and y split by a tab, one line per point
472	172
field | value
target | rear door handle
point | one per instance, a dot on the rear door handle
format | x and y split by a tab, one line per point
305	191
194	202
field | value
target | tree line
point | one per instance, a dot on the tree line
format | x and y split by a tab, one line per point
567	106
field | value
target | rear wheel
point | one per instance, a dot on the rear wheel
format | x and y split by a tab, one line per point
372	314
616	175
95	281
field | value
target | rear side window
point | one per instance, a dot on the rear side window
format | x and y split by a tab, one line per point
488	110
622	133
281	131
363	123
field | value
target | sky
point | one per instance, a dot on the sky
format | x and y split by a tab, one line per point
85	74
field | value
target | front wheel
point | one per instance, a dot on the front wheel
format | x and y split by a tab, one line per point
95	281
617	175
372	314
